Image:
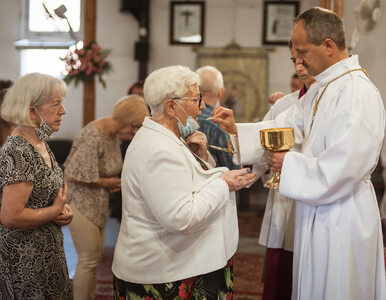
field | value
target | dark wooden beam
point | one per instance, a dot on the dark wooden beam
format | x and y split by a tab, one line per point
89	86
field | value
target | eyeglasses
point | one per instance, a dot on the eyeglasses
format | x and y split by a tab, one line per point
191	99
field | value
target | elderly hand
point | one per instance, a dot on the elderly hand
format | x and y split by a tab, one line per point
272	98
197	142
65	217
237	179
224	117
60	198
276	160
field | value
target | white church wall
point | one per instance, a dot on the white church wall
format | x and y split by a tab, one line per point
119	31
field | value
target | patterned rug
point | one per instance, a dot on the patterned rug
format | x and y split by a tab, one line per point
248	268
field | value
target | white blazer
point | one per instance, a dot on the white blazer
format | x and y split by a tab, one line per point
178	220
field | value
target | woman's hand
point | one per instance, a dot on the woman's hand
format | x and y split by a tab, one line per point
65	217
224	117
60	199
112	184
197	142
237	179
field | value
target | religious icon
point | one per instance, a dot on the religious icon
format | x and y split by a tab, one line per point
187	22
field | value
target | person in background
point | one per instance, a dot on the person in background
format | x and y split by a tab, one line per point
277	229
136	88
116	198
5	127
296	83
92	170
339	125
179	224
33	209
212	90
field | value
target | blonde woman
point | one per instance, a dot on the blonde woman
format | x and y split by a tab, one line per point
33	209
93	170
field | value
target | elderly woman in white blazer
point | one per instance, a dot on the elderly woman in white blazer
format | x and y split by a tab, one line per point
179	220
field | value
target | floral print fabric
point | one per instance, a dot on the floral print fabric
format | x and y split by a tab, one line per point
32	261
215	285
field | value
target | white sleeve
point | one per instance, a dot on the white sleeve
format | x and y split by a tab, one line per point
352	144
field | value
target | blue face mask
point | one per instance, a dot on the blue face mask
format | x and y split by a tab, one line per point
190	127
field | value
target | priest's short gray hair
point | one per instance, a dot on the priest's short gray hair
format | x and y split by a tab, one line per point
32	89
320	24
168	82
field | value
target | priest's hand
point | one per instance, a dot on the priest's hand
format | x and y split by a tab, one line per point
276	160
224	117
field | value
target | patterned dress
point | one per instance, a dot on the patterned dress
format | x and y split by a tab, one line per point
32	261
93	155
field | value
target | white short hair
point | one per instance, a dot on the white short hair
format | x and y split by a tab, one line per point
32	89
168	82
211	80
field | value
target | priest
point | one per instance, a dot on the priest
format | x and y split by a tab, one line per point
339	127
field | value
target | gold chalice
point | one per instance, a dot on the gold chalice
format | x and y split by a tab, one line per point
276	140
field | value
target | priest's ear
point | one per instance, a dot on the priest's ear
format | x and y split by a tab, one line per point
330	46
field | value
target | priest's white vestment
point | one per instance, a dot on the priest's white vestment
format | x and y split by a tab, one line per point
279	215
338	248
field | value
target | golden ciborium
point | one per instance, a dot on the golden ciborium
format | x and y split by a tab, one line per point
276	140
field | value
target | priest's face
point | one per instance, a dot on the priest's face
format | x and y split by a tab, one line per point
300	70
311	56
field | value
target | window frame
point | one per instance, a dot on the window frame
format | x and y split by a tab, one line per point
46	40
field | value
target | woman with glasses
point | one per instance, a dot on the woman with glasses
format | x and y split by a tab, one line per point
179	222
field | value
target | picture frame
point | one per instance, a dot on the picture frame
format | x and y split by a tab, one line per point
187	22
278	21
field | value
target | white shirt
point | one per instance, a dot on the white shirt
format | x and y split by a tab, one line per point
178	220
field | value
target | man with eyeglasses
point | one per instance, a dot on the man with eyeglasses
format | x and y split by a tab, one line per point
212	89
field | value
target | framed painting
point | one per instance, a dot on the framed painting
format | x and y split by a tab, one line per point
278	20
187	22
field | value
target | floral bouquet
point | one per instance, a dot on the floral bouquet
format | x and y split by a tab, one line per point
85	62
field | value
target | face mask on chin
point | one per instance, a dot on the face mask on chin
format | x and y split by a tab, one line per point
43	131
190	127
